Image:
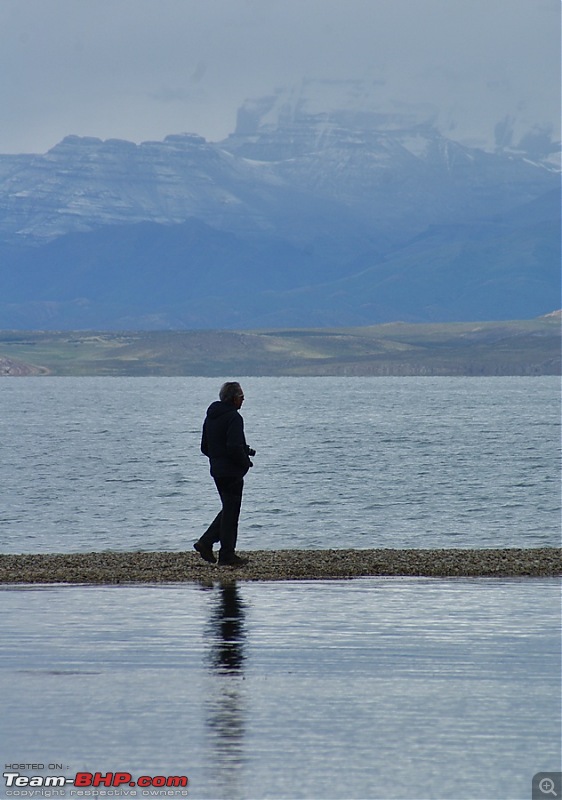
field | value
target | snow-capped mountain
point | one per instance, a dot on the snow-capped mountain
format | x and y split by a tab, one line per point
308	201
84	183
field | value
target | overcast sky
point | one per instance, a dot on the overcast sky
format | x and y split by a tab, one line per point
143	69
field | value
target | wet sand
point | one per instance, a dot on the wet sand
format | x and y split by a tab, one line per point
277	565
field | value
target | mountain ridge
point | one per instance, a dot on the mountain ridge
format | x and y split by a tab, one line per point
300	217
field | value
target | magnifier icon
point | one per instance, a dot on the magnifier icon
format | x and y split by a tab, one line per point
547	786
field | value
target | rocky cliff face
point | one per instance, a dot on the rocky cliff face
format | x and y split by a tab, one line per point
84	183
308	212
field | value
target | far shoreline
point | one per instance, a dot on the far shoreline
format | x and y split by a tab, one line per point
501	348
149	567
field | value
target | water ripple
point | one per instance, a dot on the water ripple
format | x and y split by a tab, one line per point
354	462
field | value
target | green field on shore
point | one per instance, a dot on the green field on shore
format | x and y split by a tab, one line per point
523	347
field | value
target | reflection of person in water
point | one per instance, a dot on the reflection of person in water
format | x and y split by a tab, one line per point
228	627
225	704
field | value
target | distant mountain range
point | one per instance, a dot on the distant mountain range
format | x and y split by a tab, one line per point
305	216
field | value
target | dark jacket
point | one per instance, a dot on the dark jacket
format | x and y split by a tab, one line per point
223	441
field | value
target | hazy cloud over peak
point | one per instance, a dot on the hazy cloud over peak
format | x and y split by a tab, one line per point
142	69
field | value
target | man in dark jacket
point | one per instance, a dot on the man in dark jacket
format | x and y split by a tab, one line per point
224	443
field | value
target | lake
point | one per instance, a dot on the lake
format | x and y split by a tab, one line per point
408	688
114	463
372	688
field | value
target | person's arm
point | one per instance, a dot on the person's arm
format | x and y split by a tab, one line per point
236	446
204	446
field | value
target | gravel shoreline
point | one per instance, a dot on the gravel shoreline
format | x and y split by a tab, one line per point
277	565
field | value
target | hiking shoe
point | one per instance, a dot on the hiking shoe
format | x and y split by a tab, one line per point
205	552
234	561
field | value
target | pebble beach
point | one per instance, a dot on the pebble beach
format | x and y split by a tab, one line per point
277	565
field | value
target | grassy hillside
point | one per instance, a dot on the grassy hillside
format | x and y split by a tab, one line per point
526	347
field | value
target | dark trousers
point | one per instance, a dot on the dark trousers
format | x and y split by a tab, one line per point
224	527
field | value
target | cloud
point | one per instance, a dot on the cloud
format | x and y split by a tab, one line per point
141	69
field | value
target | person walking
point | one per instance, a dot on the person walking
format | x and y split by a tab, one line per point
224	443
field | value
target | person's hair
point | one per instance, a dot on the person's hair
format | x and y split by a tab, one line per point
229	391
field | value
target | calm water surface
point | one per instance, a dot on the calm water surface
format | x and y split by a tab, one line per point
372	688
114	463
